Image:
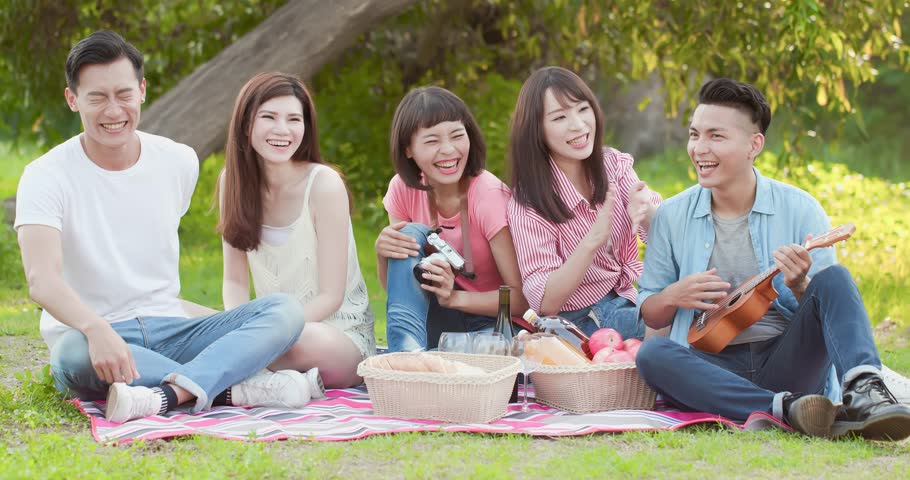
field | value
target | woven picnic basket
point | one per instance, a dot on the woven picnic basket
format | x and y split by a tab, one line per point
448	397
592	388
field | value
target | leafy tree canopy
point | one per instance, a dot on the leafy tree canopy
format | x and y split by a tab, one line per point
176	36
791	49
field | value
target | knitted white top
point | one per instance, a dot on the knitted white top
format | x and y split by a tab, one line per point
292	267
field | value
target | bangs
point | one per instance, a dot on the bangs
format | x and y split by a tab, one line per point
567	92
426	107
435	109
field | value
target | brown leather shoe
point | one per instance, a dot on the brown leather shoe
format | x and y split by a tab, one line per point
809	414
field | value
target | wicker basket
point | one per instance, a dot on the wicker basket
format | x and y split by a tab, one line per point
454	398
592	388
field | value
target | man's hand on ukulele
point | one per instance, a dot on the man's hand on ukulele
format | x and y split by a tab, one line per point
692	291
794	262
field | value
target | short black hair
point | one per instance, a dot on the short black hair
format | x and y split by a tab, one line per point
741	96
101	48
424	107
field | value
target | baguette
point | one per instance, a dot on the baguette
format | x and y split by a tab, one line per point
424	362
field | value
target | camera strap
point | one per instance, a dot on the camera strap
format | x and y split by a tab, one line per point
463	186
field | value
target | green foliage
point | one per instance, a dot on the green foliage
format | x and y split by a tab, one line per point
13	160
355	105
197	228
876	253
176	37
794	50
36	403
11	274
355	101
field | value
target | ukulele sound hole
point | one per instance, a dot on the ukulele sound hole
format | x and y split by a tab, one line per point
736	298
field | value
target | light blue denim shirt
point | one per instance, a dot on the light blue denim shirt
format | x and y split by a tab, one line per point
681	239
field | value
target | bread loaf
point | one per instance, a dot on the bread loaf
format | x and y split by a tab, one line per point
424	362
549	349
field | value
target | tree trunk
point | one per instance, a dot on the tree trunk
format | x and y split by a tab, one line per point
298	38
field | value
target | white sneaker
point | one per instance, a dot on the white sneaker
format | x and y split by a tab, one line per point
284	388
317	388
898	384
126	403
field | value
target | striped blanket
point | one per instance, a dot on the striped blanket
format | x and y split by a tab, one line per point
348	415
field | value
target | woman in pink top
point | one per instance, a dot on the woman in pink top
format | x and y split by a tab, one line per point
577	248
441	185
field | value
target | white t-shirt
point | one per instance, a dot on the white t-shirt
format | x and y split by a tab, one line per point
118	228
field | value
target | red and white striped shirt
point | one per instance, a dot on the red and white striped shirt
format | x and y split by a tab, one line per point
542	246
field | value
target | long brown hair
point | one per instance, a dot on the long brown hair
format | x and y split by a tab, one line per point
425	107
244	179
533	184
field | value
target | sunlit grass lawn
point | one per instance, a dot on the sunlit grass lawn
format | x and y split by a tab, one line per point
40	435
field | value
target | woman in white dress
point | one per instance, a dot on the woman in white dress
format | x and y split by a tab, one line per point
285	219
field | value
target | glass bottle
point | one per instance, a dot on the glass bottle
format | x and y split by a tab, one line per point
560	327
504	326
504	316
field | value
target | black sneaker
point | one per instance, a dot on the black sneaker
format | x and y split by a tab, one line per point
809	414
871	411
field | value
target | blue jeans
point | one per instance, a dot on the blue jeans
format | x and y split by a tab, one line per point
203	355
830	326
414	319
612	311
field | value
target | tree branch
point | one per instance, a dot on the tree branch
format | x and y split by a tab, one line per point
298	38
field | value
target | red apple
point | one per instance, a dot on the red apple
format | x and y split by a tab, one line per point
632	346
620	356
602	354
605	337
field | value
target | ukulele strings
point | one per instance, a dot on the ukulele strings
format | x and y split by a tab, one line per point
726	301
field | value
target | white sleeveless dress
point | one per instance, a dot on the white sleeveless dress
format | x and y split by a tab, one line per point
292	268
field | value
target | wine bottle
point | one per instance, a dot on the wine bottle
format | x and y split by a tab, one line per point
504	317
561	327
504	326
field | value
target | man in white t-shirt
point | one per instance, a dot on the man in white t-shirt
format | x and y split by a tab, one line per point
97	219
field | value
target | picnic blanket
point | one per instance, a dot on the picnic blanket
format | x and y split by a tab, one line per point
347	414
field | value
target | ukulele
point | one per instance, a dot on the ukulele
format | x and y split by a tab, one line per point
713	330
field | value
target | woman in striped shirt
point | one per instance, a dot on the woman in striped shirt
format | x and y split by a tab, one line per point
576	207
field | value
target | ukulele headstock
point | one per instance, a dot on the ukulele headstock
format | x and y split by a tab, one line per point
833	236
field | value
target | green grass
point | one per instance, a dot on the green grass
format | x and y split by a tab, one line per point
41	435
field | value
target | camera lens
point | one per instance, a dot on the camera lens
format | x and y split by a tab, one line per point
418	274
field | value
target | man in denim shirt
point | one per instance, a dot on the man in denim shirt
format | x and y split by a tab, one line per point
734	224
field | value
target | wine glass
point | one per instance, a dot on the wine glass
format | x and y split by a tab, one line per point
458	342
490	343
526	349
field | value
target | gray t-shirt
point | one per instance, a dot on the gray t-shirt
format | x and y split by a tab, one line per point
734	258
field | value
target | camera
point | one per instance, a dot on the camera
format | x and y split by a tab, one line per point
438	249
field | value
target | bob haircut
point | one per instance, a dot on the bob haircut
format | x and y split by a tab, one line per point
244	175
533	184
425	107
